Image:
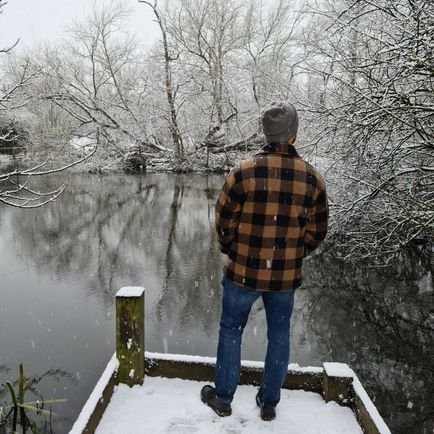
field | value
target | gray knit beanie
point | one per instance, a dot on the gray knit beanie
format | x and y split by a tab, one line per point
279	122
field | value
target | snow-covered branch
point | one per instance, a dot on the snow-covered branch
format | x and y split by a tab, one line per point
374	100
15	187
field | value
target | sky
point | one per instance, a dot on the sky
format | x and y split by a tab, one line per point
46	20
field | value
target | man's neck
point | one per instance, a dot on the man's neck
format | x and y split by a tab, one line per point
280	148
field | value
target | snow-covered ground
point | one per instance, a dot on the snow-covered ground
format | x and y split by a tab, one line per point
164	405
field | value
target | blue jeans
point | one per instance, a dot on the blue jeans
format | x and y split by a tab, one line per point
237	302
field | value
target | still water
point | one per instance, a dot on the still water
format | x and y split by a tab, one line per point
61	265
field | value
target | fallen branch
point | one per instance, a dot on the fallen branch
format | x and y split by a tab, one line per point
238	145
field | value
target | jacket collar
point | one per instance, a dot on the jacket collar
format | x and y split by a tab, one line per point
279	148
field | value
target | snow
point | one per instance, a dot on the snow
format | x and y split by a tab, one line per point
163	405
334	369
130	291
370	407
425	284
83	143
89	407
212	361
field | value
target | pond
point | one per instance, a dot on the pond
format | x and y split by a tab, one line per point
61	265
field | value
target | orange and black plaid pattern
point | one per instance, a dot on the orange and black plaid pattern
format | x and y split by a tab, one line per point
271	213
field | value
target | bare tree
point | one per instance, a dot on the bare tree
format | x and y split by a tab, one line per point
9	48
378	114
207	33
17	190
270	42
208	30
238	56
15	186
168	76
99	82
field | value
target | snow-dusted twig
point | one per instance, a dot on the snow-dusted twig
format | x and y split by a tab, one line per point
22	195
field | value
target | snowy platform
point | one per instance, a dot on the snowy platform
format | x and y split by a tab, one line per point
163	405
165	392
168	401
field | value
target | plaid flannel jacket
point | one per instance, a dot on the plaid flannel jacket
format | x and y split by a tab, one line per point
271	213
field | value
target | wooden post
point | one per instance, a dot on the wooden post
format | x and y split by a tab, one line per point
130	335
337	379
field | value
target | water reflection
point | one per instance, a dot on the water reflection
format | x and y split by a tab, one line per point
158	231
379	322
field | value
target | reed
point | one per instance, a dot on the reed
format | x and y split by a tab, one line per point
16	414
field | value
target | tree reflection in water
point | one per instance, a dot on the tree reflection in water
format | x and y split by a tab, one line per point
157	230
381	322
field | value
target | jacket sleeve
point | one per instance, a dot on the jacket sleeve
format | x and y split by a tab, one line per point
316	228
227	212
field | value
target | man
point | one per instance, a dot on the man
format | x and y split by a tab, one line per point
271	213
